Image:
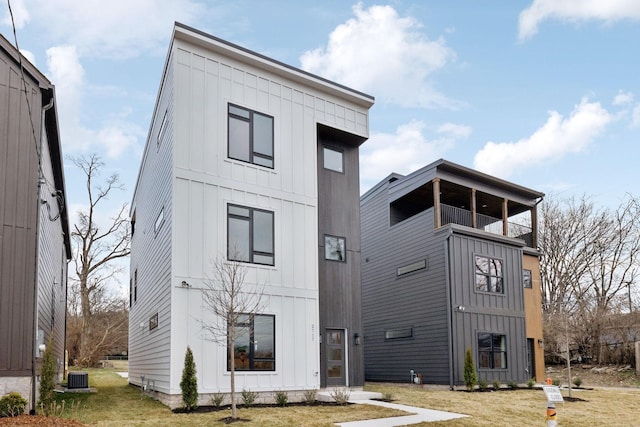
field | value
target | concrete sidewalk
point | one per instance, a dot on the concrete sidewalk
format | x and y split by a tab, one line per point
419	415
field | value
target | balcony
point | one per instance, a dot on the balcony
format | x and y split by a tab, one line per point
453	215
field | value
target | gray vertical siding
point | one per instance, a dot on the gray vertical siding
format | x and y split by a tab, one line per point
339	282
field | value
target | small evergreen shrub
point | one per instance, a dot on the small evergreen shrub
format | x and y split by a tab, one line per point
189	383
47	380
531	382
577	381
310	396
482	385
512	385
470	375
249	397
12	405
217	399
282	398
496	384
556	382
387	396
341	395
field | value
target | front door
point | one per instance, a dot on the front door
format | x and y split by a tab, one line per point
335	358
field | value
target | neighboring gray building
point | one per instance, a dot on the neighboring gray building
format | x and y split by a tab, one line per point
34	231
442	272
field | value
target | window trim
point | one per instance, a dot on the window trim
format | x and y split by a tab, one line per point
251	143
335	150
250	220
252	359
488	275
412	267
492	352
338	238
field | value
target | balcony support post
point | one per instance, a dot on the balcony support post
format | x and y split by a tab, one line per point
474	220
534	226
436	203
505	217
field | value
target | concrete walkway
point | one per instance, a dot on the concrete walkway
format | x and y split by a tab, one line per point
419	415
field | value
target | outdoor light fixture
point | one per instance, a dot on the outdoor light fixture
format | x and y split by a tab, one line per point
356	338
185	284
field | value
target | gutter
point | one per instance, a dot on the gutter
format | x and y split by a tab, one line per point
447	279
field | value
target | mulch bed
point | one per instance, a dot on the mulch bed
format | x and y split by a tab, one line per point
39	421
206	409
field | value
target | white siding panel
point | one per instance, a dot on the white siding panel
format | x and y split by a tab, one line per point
181	227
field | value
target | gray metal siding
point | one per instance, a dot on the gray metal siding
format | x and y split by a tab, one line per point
339	282
18	184
416	300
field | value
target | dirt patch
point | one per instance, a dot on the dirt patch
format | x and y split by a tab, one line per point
39	421
596	376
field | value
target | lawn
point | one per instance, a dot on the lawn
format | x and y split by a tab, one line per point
117	404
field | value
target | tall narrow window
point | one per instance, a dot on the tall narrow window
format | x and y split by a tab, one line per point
135	285
492	351
250	136
250	235
488	273
332	159
254	347
526	278
163	129
159	221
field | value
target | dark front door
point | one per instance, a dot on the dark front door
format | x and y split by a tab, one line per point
335	358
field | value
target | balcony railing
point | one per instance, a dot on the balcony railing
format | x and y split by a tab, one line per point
454	215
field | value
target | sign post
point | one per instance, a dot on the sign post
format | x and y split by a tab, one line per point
553	396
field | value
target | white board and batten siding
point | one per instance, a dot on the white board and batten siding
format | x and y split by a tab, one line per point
191	176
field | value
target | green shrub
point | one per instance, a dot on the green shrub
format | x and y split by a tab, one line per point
12	404
556	382
310	396
577	381
47	379
512	385
249	397
470	375
482	385
217	399
531	382
496	384
341	395
282	398
387	396
189	383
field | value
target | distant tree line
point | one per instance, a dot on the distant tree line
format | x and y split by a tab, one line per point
589	266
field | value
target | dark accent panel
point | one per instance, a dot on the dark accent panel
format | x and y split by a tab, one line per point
339	215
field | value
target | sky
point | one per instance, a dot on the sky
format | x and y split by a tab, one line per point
543	93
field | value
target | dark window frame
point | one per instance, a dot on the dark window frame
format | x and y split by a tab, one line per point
335	150
399	334
253	254
253	154
153	322
492	283
492	351
328	237
252	360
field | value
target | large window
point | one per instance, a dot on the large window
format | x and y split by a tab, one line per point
335	248
488	272
332	159
250	136
254	348
492	351
250	235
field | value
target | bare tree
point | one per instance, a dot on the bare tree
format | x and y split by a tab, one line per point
96	247
232	301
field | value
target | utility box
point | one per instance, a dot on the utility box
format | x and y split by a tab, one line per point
77	380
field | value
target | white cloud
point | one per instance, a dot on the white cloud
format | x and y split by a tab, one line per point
405	150
67	73
380	52
20	14
575	11
623	98
117	29
635	117
556	138
29	55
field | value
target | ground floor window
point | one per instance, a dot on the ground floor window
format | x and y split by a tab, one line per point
492	351
254	348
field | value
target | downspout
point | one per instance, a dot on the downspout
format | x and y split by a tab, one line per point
447	278
36	263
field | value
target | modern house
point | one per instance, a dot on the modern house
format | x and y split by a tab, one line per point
255	161
450	263
34	229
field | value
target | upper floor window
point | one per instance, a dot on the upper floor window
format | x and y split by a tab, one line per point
492	351
335	248
159	221
254	347
332	159
526	278
250	136
488	272
163	129
250	235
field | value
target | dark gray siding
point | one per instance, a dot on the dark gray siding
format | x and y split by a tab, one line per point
416	300
18	196
487	312
339	282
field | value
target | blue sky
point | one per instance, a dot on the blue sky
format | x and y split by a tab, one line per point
544	93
